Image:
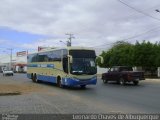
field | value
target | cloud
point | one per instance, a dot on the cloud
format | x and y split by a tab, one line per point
94	22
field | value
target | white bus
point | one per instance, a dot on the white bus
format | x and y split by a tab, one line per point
71	66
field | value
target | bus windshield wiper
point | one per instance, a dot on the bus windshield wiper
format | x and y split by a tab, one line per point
77	72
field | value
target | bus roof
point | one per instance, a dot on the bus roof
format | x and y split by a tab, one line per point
67	48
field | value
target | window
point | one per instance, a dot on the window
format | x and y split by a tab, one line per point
50	56
83	53
32	58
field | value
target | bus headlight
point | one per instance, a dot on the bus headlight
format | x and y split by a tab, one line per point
65	80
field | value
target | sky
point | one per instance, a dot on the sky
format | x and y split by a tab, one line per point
94	23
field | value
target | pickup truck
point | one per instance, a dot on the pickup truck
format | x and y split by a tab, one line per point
122	75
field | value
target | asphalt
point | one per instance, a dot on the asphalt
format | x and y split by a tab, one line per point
102	98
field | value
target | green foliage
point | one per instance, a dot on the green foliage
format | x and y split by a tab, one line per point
145	54
157	54
119	54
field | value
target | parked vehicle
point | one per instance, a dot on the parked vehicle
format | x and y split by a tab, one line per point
8	73
122	75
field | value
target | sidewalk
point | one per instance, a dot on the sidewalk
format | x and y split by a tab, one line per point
150	79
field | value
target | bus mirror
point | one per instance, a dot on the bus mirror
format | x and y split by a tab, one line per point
101	59
70	58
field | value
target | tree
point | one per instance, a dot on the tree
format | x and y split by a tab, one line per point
157	54
144	54
120	54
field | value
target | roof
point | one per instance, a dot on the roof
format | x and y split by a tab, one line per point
68	48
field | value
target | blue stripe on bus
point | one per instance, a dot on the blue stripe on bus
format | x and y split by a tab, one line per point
76	82
51	79
50	65
41	65
66	81
32	65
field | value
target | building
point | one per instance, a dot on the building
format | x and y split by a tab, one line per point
21	62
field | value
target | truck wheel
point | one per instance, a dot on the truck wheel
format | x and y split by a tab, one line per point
122	81
135	82
105	81
118	82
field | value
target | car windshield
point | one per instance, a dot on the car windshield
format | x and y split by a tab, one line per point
83	66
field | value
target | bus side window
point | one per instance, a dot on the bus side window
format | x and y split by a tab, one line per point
65	64
46	59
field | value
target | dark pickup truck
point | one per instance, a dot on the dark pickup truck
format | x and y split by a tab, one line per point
122	75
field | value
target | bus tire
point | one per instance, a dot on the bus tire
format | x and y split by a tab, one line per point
32	77
35	78
59	82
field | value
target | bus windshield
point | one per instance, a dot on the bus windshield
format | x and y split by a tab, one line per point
83	62
83	66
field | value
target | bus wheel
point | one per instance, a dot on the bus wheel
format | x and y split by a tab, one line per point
36	79
32	77
59	82
83	86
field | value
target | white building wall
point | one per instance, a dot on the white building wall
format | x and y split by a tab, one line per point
158	71
21	59
101	70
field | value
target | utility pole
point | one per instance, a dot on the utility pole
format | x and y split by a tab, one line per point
10	67
69	42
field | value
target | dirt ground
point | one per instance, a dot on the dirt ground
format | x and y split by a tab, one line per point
19	88
10	85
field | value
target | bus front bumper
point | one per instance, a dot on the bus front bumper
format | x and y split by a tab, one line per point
76	82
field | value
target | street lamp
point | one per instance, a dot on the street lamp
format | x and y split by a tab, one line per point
69	42
63	42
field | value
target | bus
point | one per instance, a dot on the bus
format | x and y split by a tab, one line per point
70	66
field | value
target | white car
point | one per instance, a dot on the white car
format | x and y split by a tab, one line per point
8	72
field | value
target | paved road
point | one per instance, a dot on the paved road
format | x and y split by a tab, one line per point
102	98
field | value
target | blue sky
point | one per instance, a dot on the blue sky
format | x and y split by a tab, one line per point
21	37
16	38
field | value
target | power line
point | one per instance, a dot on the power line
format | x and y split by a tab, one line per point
134	14
69	42
139	11
104	44
153	29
